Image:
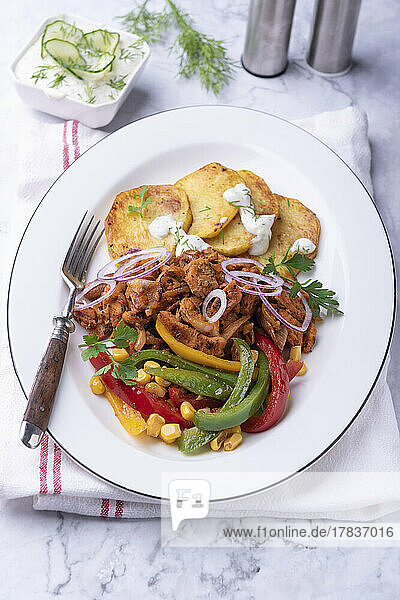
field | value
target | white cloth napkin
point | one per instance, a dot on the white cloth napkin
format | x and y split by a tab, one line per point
56	483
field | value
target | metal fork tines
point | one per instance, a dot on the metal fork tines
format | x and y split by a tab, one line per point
76	262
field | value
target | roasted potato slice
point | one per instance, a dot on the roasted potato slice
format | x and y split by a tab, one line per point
126	230
296	221
235	239
205	189
265	202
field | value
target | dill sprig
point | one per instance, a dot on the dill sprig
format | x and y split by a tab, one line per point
89	97
149	25
198	54
118	84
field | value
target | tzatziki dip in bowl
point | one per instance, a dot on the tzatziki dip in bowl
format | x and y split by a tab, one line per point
74	68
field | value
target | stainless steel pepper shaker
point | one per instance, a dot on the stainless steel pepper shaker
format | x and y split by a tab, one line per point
267	37
332	36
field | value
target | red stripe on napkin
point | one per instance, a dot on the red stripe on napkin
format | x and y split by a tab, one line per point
65	147
57	469
44	456
75	140
105	506
119	508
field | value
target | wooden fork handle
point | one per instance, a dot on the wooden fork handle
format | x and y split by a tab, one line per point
43	392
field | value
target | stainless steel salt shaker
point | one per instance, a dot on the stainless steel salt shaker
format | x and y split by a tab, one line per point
332	36
267	37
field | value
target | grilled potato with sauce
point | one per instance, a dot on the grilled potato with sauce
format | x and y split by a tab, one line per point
126	230
235	239
205	188
296	221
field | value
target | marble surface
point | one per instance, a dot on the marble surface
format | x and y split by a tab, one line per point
47	554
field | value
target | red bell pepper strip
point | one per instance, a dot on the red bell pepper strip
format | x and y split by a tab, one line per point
293	367
137	397
177	395
279	388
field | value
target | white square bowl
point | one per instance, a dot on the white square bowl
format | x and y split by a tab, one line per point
92	115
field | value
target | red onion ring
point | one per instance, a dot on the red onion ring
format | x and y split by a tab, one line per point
102	275
272	286
271	280
81	296
124	272
215	294
307	319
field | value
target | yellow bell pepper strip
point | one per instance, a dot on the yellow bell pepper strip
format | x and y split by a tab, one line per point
129	417
198	383
196	356
238	409
139	358
194	438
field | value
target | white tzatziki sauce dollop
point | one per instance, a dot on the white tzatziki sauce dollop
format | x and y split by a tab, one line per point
160	227
257	225
303	245
57	82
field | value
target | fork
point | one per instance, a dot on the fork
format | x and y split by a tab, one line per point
44	388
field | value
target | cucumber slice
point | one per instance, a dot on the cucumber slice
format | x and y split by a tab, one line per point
65	54
61	30
95	67
101	40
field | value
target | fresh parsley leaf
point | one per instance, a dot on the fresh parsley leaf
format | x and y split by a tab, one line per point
91	346
320	297
143	202
317	296
123	334
104	369
126	371
299	261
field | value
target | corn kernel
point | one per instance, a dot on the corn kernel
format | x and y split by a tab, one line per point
151	364
170	432
154	424
161	381
97	386
236	429
233	441
143	377
187	410
119	354
303	370
295	353
220	439
155	389
254	354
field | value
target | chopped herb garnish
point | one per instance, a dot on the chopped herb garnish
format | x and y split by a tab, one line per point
89	96
58	79
317	296
132	51
118	84
120	338
41	72
223	236
143	202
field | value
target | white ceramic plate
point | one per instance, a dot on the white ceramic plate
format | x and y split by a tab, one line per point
354	259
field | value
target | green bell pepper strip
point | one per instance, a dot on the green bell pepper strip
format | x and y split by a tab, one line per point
236	414
198	383
182	363
194	438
